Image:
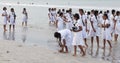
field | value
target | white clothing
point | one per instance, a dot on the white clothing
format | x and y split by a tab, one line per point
5	18
78	38
84	32
95	25
60	23
12	18
50	16
69	24
53	14
106	31
112	23
25	18
67	35
117	28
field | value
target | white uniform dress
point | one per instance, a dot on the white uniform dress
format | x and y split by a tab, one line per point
112	23
25	18
50	16
67	35
53	14
60	23
12	18
84	32
95	25
69	24
5	18
106	31
117	29
78	38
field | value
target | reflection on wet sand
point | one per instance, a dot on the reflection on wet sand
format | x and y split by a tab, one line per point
9	35
116	53
24	33
4	36
107	56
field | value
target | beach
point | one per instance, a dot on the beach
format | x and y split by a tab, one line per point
36	43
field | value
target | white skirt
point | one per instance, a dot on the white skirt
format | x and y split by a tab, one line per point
77	39
117	29
93	34
12	21
24	19
5	21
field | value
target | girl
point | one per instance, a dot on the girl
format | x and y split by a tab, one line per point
65	38
68	21
12	18
78	39
49	15
60	22
5	17
25	17
117	25
112	20
84	21
106	31
94	30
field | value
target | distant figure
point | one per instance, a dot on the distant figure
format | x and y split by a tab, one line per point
5	18
25	17
12	18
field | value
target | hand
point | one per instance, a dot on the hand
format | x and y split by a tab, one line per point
94	30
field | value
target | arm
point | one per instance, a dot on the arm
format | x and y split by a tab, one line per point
80	29
92	26
57	24
86	24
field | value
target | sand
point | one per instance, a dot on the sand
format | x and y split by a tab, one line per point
14	52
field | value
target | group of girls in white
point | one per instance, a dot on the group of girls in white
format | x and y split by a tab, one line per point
11	18
75	29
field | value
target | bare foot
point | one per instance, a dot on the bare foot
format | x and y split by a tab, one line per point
83	54
103	47
60	51
74	54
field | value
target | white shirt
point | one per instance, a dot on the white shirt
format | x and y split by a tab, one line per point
94	20
5	13
117	18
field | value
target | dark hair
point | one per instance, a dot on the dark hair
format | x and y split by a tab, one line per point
12	9
96	13
4	8
70	9
92	11
57	35
60	14
100	11
107	11
88	13
81	10
49	9
113	11
117	13
24	8
63	9
105	15
76	15
67	11
59	11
